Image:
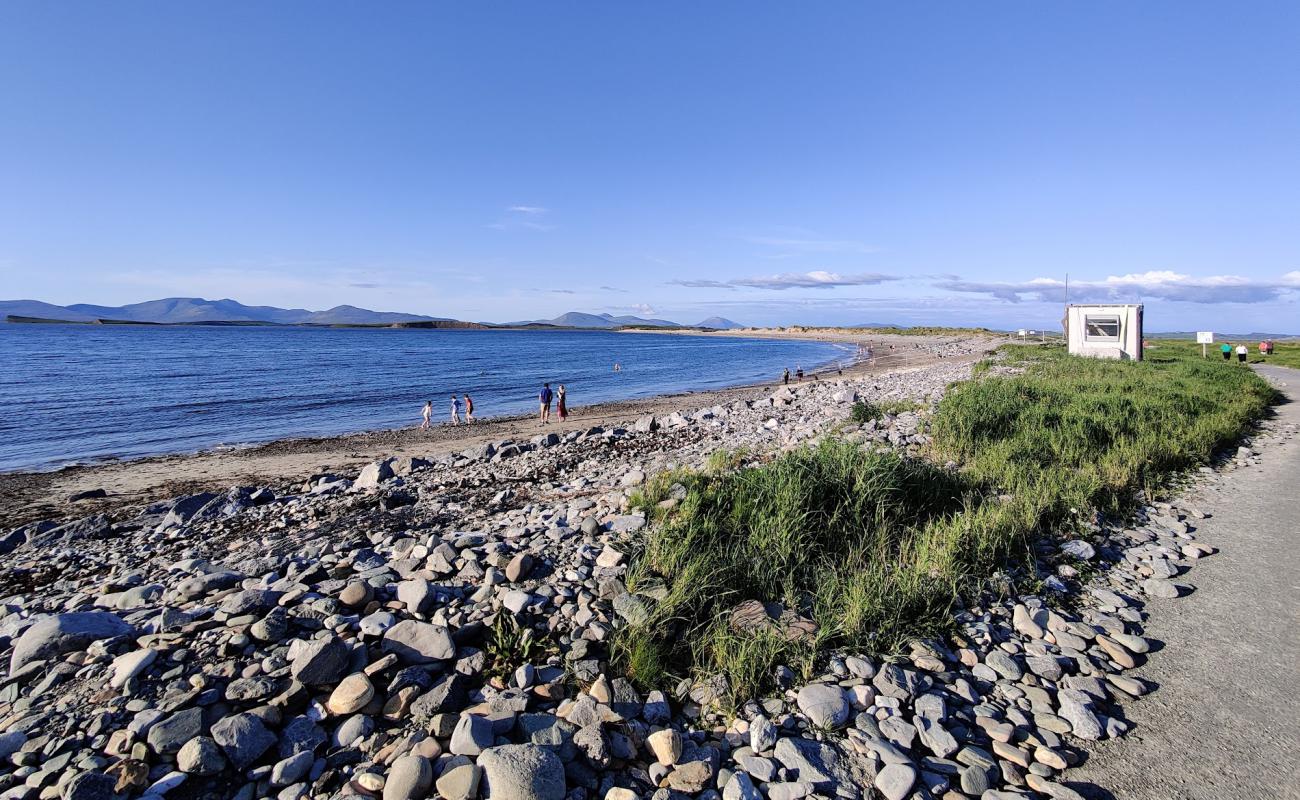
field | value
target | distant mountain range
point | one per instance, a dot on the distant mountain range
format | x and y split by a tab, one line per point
577	319
198	311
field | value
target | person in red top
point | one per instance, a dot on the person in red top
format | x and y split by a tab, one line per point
469	410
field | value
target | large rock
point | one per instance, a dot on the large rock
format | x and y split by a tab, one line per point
200	756
741	787
459	782
410	777
762	734
666	745
522	772
822	765
418	595
11	743
473	734
374	474
319	661
824	705
351	695
63	633
895	781
419	642
128	665
244	738
89	786
170	734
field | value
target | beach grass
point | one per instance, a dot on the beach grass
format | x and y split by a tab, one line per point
852	547
1287	352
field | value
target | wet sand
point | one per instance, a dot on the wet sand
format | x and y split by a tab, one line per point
28	496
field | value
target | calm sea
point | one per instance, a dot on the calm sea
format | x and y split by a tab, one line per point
79	393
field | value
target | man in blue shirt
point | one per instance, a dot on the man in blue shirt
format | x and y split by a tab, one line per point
544	400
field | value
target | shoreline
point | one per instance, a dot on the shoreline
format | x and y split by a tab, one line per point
29	494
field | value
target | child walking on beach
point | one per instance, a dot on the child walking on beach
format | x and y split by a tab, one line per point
455	410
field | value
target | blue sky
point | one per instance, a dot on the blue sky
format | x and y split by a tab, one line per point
772	162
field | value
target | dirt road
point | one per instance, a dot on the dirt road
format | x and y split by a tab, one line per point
1225	721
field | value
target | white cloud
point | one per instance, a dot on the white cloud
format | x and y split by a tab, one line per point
815	279
1152	285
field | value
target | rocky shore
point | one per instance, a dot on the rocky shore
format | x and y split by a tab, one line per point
439	627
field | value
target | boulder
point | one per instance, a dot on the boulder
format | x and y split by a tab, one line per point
244	738
409	777
522	772
63	633
419	642
374	474
319	661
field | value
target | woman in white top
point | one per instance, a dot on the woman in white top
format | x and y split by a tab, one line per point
428	414
1242	352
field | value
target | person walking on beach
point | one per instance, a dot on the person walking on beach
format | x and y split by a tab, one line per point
428	415
560	404
544	403
455	410
1227	351
798	372
1242	352
469	410
785	379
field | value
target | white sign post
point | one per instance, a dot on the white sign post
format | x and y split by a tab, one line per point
1203	338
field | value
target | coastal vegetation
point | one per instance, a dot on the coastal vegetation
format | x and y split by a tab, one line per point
769	564
863	411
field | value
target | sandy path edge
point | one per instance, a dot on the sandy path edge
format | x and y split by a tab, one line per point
29	496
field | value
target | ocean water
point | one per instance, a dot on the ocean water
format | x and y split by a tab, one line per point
82	393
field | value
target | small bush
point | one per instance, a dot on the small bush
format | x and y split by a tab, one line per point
864	412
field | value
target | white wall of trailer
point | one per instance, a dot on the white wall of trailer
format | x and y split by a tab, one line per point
1105	330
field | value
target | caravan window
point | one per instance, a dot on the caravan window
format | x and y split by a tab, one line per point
1101	329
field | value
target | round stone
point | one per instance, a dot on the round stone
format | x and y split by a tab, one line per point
409	777
200	756
351	695
824	705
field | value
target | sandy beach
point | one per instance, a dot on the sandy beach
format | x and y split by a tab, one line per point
26	496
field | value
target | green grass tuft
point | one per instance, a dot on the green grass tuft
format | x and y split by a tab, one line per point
875	548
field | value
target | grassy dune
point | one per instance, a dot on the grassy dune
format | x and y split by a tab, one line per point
865	549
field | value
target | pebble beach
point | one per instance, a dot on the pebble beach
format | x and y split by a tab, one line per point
438	625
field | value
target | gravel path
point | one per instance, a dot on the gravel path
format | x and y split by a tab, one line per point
1225	722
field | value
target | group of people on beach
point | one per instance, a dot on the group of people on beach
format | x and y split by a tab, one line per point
455	412
798	374
547	396
559	396
1265	349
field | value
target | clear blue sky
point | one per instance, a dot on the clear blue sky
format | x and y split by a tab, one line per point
772	162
